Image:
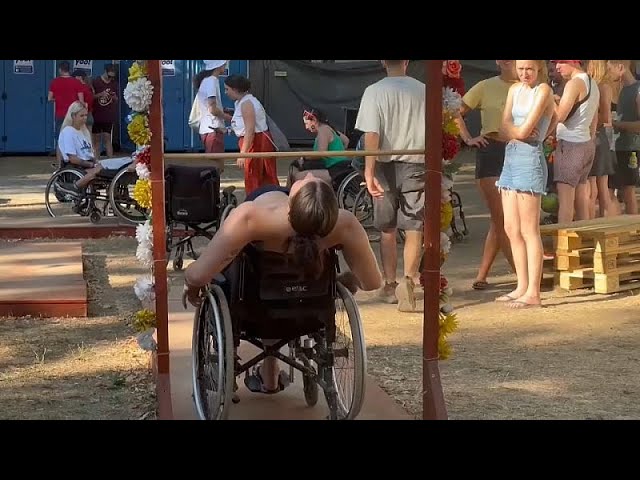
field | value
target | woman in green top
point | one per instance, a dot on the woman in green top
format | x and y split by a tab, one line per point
327	139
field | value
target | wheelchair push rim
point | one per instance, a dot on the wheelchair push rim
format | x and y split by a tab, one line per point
362	208
349	189
121	197
57	202
349	371
212	323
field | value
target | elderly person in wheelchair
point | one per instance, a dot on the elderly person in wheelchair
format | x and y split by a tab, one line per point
304	223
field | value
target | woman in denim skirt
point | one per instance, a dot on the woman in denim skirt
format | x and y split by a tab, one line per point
528	119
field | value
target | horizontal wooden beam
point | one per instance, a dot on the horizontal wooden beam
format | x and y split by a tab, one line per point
291	154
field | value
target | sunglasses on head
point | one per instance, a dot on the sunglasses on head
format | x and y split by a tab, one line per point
308	115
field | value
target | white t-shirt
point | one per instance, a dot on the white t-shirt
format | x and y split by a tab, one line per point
73	142
237	122
394	109
210	87
578	128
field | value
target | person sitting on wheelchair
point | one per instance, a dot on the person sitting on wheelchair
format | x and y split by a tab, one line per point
304	221
76	148
332	169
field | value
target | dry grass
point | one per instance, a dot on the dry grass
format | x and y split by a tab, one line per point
81	368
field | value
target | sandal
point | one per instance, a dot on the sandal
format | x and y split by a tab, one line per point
506	298
480	285
521	305
255	382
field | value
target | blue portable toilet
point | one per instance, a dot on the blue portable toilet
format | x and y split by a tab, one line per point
235	67
25	115
175	88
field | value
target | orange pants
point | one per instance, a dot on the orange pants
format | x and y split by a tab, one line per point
259	171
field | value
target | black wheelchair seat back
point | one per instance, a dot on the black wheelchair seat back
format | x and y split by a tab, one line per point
270	297
192	193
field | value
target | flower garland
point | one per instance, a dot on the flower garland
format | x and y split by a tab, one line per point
453	89
138	95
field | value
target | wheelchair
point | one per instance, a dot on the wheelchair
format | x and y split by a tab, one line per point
110	192
262	295
194	206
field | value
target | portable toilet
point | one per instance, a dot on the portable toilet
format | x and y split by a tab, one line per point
26	117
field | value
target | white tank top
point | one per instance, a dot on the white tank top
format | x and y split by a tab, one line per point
577	127
237	122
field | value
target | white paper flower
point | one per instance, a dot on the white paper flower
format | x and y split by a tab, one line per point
138	94
451	100
144	252
445	243
446	308
448	291
144	288
143	171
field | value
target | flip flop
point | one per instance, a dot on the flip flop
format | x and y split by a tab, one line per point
520	305
506	298
480	285
255	382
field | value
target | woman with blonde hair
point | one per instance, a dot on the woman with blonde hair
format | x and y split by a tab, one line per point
603	163
528	118
76	148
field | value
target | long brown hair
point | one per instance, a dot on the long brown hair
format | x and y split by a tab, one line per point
313	213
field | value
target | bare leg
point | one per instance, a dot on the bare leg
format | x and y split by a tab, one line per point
593	197
583	207
88	178
496	238
269	371
512	229
529	210
108	144
566	200
607	209
412	253
630	201
614	204
389	254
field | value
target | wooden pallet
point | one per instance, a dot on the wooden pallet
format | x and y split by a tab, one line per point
603	254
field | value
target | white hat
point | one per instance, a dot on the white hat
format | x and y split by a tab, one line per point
211	64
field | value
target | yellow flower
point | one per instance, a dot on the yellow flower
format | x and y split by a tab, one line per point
448	324
449	125
142	193
138	130
446	215
137	71
144	320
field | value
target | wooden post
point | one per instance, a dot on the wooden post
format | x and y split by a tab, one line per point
163	384
433	405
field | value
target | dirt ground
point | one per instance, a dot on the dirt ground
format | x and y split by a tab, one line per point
81	368
576	358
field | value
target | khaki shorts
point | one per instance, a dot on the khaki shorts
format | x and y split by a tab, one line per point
402	205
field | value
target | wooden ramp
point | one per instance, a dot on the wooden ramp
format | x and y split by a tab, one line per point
70	227
603	254
42	279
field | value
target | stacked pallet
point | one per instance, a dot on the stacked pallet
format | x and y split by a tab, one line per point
603	254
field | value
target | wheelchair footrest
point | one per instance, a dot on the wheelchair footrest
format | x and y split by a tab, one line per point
255	382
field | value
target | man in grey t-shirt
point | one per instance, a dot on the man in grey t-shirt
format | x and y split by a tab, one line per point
392	117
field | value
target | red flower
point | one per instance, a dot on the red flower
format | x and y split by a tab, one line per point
144	156
450	146
444	283
451	68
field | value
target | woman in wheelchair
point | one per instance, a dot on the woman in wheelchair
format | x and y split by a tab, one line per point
76	148
332	169
303	221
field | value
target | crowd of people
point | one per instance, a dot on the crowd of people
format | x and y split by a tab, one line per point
589	114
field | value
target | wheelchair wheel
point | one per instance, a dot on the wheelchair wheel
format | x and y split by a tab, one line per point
349	189
121	197
213	357
225	213
362	207
350	363
57	202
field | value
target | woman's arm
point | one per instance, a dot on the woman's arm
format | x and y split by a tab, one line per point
540	105
233	236
344	138
507	128
357	251
466	137
604	111
249	119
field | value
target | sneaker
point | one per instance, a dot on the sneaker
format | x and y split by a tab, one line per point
387	293
406	295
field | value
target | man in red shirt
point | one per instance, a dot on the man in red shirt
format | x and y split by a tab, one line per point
64	90
105	109
87	91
